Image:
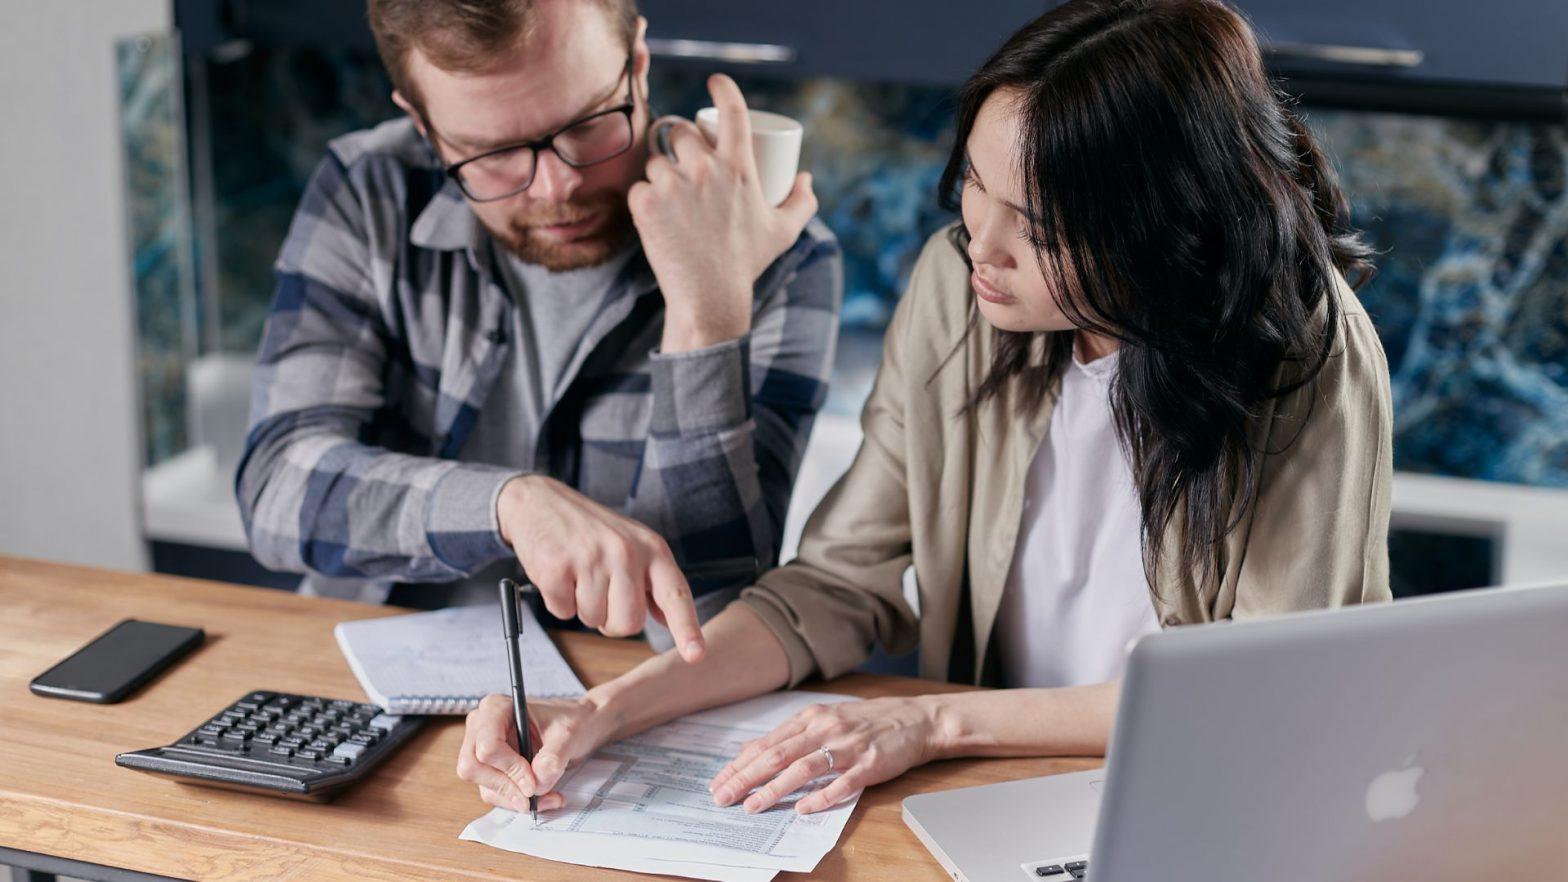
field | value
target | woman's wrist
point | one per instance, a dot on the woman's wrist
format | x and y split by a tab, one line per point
1063	721
949	728
614	708
744	660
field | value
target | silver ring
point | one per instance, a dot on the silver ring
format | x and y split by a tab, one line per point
829	754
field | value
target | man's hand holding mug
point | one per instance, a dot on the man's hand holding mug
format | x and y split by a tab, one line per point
704	217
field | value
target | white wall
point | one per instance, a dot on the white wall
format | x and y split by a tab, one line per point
69	432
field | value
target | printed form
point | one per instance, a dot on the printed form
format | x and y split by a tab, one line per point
643	804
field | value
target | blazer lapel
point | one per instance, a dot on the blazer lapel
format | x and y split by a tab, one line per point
1008	442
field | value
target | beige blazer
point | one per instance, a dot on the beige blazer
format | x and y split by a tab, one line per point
944	492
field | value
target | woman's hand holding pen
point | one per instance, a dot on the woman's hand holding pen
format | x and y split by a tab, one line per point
564	731
869	741
748	661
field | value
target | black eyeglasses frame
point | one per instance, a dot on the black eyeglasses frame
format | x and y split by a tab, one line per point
454	170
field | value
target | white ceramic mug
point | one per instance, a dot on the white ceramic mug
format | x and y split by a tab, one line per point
775	142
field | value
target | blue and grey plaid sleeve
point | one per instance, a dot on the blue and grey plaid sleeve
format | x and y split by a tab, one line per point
730	422
313	496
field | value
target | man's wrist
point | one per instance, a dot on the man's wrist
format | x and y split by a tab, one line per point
512	501
461	516
686	330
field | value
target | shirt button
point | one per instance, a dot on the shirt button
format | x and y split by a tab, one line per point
1171	621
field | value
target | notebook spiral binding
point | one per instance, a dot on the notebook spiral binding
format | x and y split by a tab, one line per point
431	704
446	704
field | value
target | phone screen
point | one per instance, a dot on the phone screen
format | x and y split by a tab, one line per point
118	661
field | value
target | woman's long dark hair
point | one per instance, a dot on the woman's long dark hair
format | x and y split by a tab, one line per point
1182	208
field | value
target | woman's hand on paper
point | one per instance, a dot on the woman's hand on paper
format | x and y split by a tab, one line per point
870	742
564	731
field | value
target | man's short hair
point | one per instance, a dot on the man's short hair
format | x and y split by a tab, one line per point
463	35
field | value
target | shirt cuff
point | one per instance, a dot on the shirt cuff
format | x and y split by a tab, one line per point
802	663
702	391
462	524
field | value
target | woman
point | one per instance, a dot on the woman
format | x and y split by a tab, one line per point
1130	390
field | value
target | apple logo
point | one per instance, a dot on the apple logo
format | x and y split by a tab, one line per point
1392	795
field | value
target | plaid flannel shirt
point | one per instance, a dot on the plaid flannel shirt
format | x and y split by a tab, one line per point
386	333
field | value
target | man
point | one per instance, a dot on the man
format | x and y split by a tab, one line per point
504	335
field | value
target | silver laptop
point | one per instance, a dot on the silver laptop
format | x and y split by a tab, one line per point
1425	739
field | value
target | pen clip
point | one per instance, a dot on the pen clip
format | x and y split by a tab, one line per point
508	591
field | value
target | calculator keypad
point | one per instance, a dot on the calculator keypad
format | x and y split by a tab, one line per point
293	729
279	744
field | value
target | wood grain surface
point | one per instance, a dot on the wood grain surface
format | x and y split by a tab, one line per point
61	793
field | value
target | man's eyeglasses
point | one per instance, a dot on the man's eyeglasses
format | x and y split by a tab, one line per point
507	171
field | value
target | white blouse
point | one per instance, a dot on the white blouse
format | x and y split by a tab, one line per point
1076	594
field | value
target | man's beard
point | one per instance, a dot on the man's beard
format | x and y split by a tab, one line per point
614	230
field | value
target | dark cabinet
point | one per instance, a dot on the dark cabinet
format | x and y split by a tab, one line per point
1508	43
908	41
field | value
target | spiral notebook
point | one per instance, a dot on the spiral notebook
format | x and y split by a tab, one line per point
444	662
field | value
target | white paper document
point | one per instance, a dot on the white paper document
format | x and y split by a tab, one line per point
643	804
444	662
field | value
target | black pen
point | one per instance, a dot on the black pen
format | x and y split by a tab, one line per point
724	569
511	627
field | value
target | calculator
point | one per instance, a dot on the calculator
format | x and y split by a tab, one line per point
279	744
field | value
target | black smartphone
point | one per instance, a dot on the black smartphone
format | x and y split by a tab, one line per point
117	661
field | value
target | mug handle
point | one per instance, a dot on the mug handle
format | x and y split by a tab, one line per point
660	138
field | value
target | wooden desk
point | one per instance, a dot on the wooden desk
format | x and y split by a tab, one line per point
62	795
